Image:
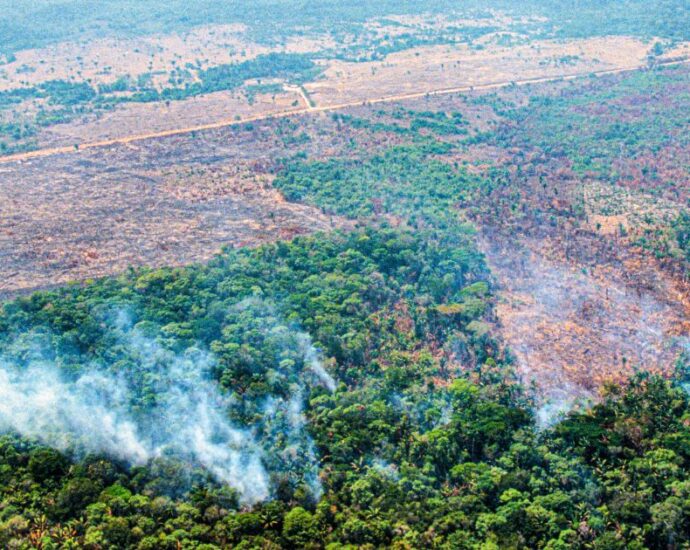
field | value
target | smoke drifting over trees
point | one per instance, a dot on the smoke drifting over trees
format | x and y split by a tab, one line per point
169	407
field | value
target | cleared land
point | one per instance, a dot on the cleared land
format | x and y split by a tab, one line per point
167	202
592	284
494	59
311	108
575	326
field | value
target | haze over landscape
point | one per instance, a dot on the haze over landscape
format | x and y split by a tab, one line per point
290	274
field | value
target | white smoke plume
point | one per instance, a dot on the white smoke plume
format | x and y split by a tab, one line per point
37	403
313	361
297	364
293	343
92	414
555	406
386	469
286	420
162	404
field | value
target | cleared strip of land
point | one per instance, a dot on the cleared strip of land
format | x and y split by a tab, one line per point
19	157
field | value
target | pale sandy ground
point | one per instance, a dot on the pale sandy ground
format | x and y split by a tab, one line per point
141	118
438	67
413	71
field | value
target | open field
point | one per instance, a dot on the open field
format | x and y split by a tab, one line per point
103	61
144	118
438	67
166	202
293	111
159	65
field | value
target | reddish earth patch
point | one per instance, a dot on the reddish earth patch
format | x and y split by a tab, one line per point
172	201
575	327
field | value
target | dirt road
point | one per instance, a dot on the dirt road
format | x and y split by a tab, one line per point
19	157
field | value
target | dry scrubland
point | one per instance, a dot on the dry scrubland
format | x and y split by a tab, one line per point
439	67
419	70
501	55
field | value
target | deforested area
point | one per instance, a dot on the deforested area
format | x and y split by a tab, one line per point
372	275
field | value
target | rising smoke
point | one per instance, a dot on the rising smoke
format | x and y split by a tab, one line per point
313	361
164	404
558	403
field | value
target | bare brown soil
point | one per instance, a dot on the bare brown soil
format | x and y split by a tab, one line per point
171	201
582	324
103	61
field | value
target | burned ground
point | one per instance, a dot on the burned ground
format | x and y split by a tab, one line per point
162	202
578	230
